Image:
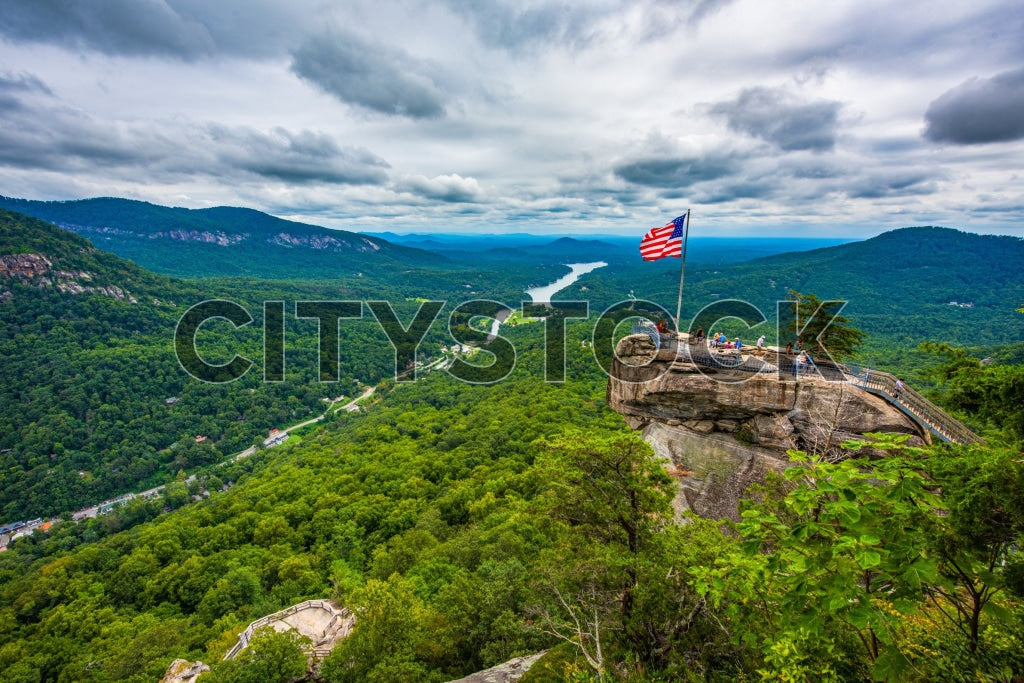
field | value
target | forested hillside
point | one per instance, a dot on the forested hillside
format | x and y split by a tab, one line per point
898	287
88	373
224	241
94	400
468	524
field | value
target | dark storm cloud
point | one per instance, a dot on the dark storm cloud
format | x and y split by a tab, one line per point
899	145
39	133
50	136
451	189
597	190
180	29
753	189
775	115
12	86
302	157
675	172
511	26
376	77
119	27
896	183
978	111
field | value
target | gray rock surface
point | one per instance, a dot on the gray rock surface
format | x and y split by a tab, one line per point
184	671
723	430
509	672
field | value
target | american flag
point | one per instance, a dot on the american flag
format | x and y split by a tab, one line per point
664	241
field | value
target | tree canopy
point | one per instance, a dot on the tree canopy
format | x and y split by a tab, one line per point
817	324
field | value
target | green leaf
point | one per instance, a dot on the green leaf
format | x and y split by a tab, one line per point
838	602
861	616
868	558
997	611
751	546
849	514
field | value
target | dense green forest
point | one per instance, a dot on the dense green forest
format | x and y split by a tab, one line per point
469	523
87	376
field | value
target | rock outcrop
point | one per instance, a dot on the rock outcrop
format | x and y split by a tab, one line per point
509	672
38	271
723	430
184	671
24	267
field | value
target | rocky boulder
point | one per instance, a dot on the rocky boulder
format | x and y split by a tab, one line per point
184	671
723	430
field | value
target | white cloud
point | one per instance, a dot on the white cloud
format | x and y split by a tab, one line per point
528	114
451	188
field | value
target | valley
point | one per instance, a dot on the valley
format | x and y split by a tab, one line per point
467	523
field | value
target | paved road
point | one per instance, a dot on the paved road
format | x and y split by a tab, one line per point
354	403
108	505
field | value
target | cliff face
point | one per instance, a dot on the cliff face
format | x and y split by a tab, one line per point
39	271
724	430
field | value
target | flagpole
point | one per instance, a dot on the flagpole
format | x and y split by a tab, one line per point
682	272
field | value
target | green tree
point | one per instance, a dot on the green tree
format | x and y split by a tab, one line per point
389	635
992	394
270	657
818	322
983	490
618	581
860	568
826	572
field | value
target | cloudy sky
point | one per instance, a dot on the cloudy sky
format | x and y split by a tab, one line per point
766	117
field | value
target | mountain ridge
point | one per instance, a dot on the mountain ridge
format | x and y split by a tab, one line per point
222	240
39	254
93	400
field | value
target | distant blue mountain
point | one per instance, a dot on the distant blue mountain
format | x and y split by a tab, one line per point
611	248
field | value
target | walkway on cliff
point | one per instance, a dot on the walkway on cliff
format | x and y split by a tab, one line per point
912	404
926	414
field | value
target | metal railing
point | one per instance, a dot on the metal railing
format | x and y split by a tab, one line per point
883	384
732	359
245	636
913	404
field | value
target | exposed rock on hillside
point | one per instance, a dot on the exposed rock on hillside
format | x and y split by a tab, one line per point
25	267
38	271
183	671
509	672
723	430
323	242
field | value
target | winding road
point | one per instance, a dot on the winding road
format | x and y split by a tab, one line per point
106	506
